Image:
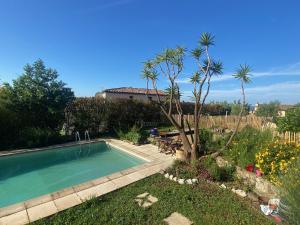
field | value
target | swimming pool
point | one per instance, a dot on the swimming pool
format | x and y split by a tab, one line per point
29	175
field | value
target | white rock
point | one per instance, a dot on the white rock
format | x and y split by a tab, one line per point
171	177
181	181
167	175
189	181
195	180
223	186
239	192
175	179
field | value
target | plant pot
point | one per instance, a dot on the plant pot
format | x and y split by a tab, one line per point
180	155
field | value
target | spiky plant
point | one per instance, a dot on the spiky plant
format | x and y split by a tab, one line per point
243	75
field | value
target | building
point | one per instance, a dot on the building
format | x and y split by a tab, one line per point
140	94
283	108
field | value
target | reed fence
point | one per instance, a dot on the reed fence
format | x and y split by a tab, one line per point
229	122
226	122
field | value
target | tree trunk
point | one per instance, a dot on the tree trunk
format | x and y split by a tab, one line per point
240	118
186	144
194	154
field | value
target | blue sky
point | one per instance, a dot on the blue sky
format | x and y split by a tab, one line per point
97	44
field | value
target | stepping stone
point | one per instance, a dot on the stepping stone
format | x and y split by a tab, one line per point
177	219
144	195
145	200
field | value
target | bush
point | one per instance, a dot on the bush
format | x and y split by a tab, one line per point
205	139
290	194
97	115
182	169
31	137
210	142
246	144
219	173
36	137
135	135
291	121
275	159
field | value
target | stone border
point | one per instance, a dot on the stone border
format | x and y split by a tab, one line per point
25	150
262	187
46	205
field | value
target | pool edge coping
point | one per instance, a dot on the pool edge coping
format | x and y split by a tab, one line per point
149	167
30	150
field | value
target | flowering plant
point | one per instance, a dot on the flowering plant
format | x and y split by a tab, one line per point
275	159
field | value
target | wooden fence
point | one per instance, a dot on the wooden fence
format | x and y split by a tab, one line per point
288	137
229	122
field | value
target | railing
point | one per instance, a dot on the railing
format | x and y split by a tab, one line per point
77	136
87	136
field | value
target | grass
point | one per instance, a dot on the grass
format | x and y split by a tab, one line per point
203	204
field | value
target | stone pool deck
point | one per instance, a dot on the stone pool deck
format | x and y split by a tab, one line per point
46	205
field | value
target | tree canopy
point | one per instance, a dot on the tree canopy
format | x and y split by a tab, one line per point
38	97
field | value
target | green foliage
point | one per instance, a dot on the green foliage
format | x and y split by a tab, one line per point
210	142
275	159
37	137
183	170
225	173
290	194
8	121
243	73
291	121
268	110
236	108
205	139
217	206
98	115
212	108
33	105
135	135
38	97
246	144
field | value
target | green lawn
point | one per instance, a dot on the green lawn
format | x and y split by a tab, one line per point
203	204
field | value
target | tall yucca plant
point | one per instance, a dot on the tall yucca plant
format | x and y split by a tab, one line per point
243	75
169	64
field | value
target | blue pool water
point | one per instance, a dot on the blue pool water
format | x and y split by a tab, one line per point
25	176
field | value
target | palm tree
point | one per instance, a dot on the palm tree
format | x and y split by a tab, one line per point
242	74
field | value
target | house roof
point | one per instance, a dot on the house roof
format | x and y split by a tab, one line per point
131	90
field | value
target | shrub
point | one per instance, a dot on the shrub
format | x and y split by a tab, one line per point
210	142
182	169
205	139
275	159
246	144
36	137
290	194
219	173
96	115
291	121
135	135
